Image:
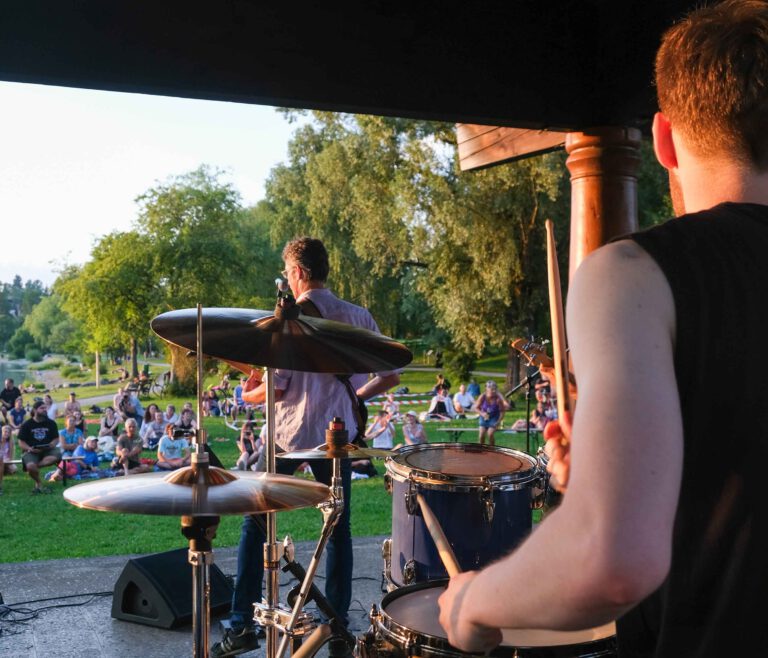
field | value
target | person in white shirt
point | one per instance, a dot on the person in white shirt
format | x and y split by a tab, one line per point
462	401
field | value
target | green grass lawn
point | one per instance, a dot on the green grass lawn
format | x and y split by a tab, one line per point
47	527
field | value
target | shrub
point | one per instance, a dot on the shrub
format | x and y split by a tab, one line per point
459	365
69	371
33	354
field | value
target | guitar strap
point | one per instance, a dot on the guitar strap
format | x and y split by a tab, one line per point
308	307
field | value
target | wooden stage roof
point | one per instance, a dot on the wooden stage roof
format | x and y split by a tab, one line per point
557	65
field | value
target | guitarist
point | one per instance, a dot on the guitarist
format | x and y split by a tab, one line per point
305	403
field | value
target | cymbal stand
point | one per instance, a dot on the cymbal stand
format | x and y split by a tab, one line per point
271	557
200	530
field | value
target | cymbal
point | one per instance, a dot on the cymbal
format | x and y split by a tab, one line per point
262	338
186	492
348	451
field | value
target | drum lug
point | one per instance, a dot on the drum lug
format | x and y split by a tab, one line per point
411	504
388	482
409	572
386	553
489	507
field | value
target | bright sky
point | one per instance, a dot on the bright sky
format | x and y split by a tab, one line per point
72	162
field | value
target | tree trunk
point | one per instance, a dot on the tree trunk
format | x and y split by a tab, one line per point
513	369
97	365
134	359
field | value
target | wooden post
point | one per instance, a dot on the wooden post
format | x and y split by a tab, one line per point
603	163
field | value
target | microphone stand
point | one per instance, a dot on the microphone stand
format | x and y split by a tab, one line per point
530	379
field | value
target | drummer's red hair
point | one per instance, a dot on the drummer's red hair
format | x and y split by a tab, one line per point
712	80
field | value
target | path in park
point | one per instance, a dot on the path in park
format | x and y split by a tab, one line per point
86	627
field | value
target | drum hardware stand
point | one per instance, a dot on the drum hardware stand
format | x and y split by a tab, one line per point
294	623
335	624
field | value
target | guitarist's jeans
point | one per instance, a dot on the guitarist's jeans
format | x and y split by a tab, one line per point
338	562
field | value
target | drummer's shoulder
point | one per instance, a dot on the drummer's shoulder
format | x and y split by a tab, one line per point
622	276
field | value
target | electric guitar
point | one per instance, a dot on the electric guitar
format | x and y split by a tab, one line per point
534	353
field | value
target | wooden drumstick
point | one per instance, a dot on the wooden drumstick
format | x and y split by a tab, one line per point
558	324
450	562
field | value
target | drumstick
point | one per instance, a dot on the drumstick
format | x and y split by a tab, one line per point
558	324
450	562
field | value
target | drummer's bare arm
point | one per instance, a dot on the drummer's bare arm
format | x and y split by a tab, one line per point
377	385
608	545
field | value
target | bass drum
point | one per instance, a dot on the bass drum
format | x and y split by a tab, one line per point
481	495
407	625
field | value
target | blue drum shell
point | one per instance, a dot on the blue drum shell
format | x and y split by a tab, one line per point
457	480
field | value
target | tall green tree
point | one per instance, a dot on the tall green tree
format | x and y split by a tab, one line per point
115	294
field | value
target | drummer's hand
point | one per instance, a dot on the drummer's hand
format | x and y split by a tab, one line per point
548	372
464	634
557	434
253	381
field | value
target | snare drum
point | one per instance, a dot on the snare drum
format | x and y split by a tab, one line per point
407	625
481	495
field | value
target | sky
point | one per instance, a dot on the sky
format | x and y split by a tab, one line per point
73	161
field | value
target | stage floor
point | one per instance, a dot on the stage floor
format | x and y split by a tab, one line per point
86	628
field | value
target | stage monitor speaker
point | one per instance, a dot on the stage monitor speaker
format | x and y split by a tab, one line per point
156	590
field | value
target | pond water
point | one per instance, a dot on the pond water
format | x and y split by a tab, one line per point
16	371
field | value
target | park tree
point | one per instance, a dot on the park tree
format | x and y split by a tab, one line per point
114	294
204	247
459	256
52	328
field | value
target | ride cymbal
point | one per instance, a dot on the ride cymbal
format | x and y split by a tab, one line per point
187	492
348	451
287	339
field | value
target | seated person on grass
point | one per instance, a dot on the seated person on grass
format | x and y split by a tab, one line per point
187	422
128	451
38	440
211	404
87	464
53	408
250	447
462	402
6	454
170	417
8	397
441	406
71	405
17	415
413	431
173	450
70	437
392	407
152	432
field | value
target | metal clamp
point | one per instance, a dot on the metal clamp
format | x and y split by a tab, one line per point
279	618
489	507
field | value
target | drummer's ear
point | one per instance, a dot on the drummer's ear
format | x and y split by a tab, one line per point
663	143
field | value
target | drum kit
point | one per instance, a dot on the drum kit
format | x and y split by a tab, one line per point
480	497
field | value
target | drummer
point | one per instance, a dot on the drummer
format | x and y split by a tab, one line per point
305	404
658	528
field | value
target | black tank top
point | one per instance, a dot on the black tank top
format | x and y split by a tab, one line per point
715	599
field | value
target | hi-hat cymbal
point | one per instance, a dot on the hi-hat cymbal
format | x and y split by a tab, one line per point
302	343
187	492
348	451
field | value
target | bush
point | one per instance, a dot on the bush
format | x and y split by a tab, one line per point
53	364
69	371
459	365
33	354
